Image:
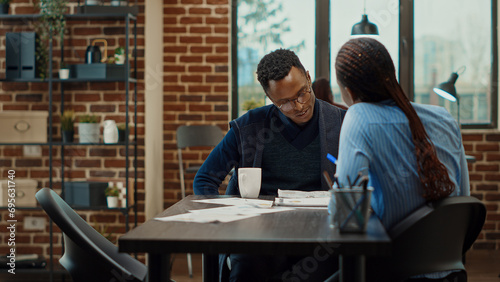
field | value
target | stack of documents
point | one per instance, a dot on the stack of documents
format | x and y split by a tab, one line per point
302	194
302	198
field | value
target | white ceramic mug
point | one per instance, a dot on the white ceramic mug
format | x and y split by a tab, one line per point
249	180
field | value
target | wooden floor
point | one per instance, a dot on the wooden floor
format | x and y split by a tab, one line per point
482	266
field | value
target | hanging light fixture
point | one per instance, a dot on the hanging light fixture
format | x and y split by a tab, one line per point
364	27
448	91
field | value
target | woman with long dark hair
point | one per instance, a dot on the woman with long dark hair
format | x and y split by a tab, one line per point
412	153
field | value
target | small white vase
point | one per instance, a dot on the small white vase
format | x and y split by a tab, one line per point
112	201
64	73
110	132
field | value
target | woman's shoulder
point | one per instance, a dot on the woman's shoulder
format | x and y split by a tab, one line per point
432	110
364	107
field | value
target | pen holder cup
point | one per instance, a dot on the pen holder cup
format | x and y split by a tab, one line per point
351	209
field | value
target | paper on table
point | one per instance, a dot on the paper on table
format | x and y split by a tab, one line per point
205	218
238	201
309	202
310	208
241	210
224	214
302	194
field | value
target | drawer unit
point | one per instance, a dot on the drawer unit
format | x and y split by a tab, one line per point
23	126
25	190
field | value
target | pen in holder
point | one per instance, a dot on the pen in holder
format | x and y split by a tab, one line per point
352	208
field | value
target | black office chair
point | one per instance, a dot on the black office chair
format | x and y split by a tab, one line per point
88	256
431	239
190	136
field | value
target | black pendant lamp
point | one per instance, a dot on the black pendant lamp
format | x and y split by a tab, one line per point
364	27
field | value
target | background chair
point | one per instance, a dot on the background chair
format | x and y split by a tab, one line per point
192	136
88	256
431	239
195	136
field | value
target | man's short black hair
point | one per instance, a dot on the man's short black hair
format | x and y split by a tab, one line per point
276	65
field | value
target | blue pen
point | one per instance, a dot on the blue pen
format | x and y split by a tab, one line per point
331	158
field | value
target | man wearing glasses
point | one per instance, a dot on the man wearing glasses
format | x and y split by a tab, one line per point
289	140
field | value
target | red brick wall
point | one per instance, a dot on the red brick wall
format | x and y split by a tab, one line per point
484	179
82	163
196	78
196	91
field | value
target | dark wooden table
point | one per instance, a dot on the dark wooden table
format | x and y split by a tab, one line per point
298	232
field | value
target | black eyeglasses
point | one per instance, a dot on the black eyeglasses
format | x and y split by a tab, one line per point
303	98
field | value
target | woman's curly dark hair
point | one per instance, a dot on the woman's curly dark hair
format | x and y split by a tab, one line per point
276	65
365	67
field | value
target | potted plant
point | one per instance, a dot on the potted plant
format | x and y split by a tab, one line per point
51	23
63	71
112	193
4	7
122	131
103	230
88	129
67	126
120	55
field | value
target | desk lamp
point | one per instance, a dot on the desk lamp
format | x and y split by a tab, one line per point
448	91
364	27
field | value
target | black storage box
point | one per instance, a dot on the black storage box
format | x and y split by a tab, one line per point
85	194
101	9
98	71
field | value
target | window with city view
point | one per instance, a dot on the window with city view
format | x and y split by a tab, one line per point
446	41
264	26
346	13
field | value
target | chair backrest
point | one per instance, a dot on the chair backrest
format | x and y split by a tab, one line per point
88	256
198	135
195	135
432	239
